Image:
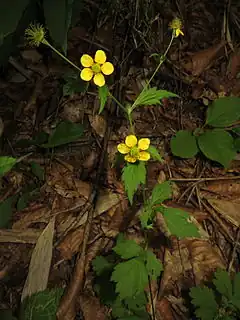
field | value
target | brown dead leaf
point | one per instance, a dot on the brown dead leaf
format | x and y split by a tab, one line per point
228	189
99	124
71	243
229	210
203	59
234	65
163	307
40	263
92	309
19	236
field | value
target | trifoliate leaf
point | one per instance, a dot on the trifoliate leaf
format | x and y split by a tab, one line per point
161	192
65	132
236	291
204	301
103	94
101	264
178	222
223	112
154	153
153	265
223	283
131	277
152	96
133	175
6	164
217	145
127	248
184	144
41	305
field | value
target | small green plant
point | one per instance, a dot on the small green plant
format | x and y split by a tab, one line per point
221	302
214	139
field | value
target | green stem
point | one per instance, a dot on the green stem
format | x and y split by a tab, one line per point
61	55
117	102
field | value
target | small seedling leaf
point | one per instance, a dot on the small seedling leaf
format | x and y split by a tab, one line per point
223	112
65	132
127	249
6	164
184	144
178	222
204	301
103	94
133	175
217	145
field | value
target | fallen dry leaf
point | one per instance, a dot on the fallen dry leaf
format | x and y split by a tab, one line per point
99	124
19	236
163	310
228	189
40	263
92	309
229	210
71	243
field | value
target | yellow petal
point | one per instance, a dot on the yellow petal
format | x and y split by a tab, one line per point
122	148
107	68
129	158
131	141
99	80
100	57
86	74
86	61
178	32
143	144
144	156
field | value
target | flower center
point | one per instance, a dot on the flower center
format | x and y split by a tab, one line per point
96	68
134	152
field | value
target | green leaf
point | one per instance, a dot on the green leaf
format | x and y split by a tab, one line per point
10	13
65	132
152	96
133	175
223	112
154	153
39	139
184	144
204	301
6	164
58	18
6	211
131	277
101	264
236	291
119	309
74	84
217	145
37	170
153	265
237	144
127	249
41	305
178	222
223	283
146	217
103	95
137	303
161	192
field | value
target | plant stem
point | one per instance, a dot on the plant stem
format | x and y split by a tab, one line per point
61	55
117	102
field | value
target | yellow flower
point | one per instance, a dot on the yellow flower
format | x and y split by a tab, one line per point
35	34
135	150
96	68
176	26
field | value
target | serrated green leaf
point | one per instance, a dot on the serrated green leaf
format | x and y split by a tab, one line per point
101	264
127	249
6	209
161	192
74	84
204	301
223	112
154	153
146	217
153	265
152	96
103	95
6	164
65	132
133	175
41	305
236	291
59	23
178	222
136	303
223	283
119	309
131	277
184	144
217	145
10	13
37	170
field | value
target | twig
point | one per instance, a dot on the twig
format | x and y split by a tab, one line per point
203	179
234	250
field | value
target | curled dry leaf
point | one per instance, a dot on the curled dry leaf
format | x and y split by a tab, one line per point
71	243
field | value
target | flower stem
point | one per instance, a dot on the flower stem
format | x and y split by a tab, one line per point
117	102
61	55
